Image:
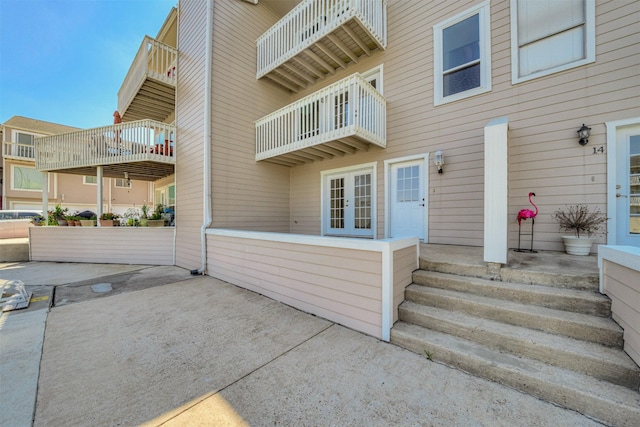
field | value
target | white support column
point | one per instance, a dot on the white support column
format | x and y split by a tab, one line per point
100	192
496	203
45	197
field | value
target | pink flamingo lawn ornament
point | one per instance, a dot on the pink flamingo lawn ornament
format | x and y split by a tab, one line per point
525	214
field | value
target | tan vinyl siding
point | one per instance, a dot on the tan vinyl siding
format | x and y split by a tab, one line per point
622	285
190	132
405	261
342	285
108	245
246	195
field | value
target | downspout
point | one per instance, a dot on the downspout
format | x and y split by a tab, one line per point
207	140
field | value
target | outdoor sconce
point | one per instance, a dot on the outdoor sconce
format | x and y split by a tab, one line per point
438	159
584	133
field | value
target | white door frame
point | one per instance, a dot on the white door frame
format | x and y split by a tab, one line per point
374	184
612	149
387	191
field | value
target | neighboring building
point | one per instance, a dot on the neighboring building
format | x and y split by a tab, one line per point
302	143
22	183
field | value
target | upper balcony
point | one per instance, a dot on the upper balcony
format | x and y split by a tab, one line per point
339	119
149	88
144	149
317	37
15	150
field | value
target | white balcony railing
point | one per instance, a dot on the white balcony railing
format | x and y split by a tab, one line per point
143	140
348	108
19	151
312	20
154	60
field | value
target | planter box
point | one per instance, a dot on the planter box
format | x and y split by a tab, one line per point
88	222
155	222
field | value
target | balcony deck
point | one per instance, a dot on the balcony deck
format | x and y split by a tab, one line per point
342	118
144	149
149	88
317	37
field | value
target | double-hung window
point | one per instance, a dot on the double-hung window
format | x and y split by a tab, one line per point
462	55
548	36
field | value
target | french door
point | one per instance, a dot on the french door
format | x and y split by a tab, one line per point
348	203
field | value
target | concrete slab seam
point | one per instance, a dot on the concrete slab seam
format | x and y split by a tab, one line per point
221	389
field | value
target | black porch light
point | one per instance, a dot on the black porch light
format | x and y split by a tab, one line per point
584	133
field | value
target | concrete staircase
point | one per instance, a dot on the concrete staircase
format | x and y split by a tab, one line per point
551	337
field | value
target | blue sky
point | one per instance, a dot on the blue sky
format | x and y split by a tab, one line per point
63	61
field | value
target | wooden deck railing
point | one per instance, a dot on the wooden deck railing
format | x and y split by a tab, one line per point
155	60
348	107
16	150
141	140
312	20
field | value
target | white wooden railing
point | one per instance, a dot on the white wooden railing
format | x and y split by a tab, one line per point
125	142
14	149
312	20
155	60
348	107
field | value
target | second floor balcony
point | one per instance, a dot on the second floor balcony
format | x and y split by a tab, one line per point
16	150
143	149
149	88
342	118
317	37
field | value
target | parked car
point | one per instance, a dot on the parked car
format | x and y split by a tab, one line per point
15	223
18	214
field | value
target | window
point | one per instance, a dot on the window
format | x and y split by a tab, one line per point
548	36
122	183
90	180
26	178
24	144
462	49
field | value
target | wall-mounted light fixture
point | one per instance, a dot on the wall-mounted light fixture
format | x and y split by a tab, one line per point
584	133
438	159
126	176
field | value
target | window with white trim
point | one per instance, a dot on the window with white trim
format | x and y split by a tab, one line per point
24	143
549	36
462	55
122	183
89	180
25	178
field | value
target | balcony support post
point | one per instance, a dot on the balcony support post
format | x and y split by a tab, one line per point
99	172
45	197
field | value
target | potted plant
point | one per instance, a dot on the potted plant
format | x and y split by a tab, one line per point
131	217
144	217
108	219
156	219
60	215
585	223
89	222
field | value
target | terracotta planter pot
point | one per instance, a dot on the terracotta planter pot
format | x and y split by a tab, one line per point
106	223
578	245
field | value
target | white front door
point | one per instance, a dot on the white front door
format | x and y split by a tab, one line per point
627	186
407	199
348	203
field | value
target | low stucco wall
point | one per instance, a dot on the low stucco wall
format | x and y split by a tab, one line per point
620	281
348	281
108	245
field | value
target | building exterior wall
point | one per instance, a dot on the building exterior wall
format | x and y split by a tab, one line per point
544	115
620	281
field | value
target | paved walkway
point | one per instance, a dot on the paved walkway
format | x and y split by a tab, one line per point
166	348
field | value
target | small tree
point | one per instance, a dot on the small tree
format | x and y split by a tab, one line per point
579	218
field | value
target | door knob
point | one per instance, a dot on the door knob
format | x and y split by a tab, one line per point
620	195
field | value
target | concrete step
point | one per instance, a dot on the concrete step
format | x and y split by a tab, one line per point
586	281
609	403
579	301
605	363
575	325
